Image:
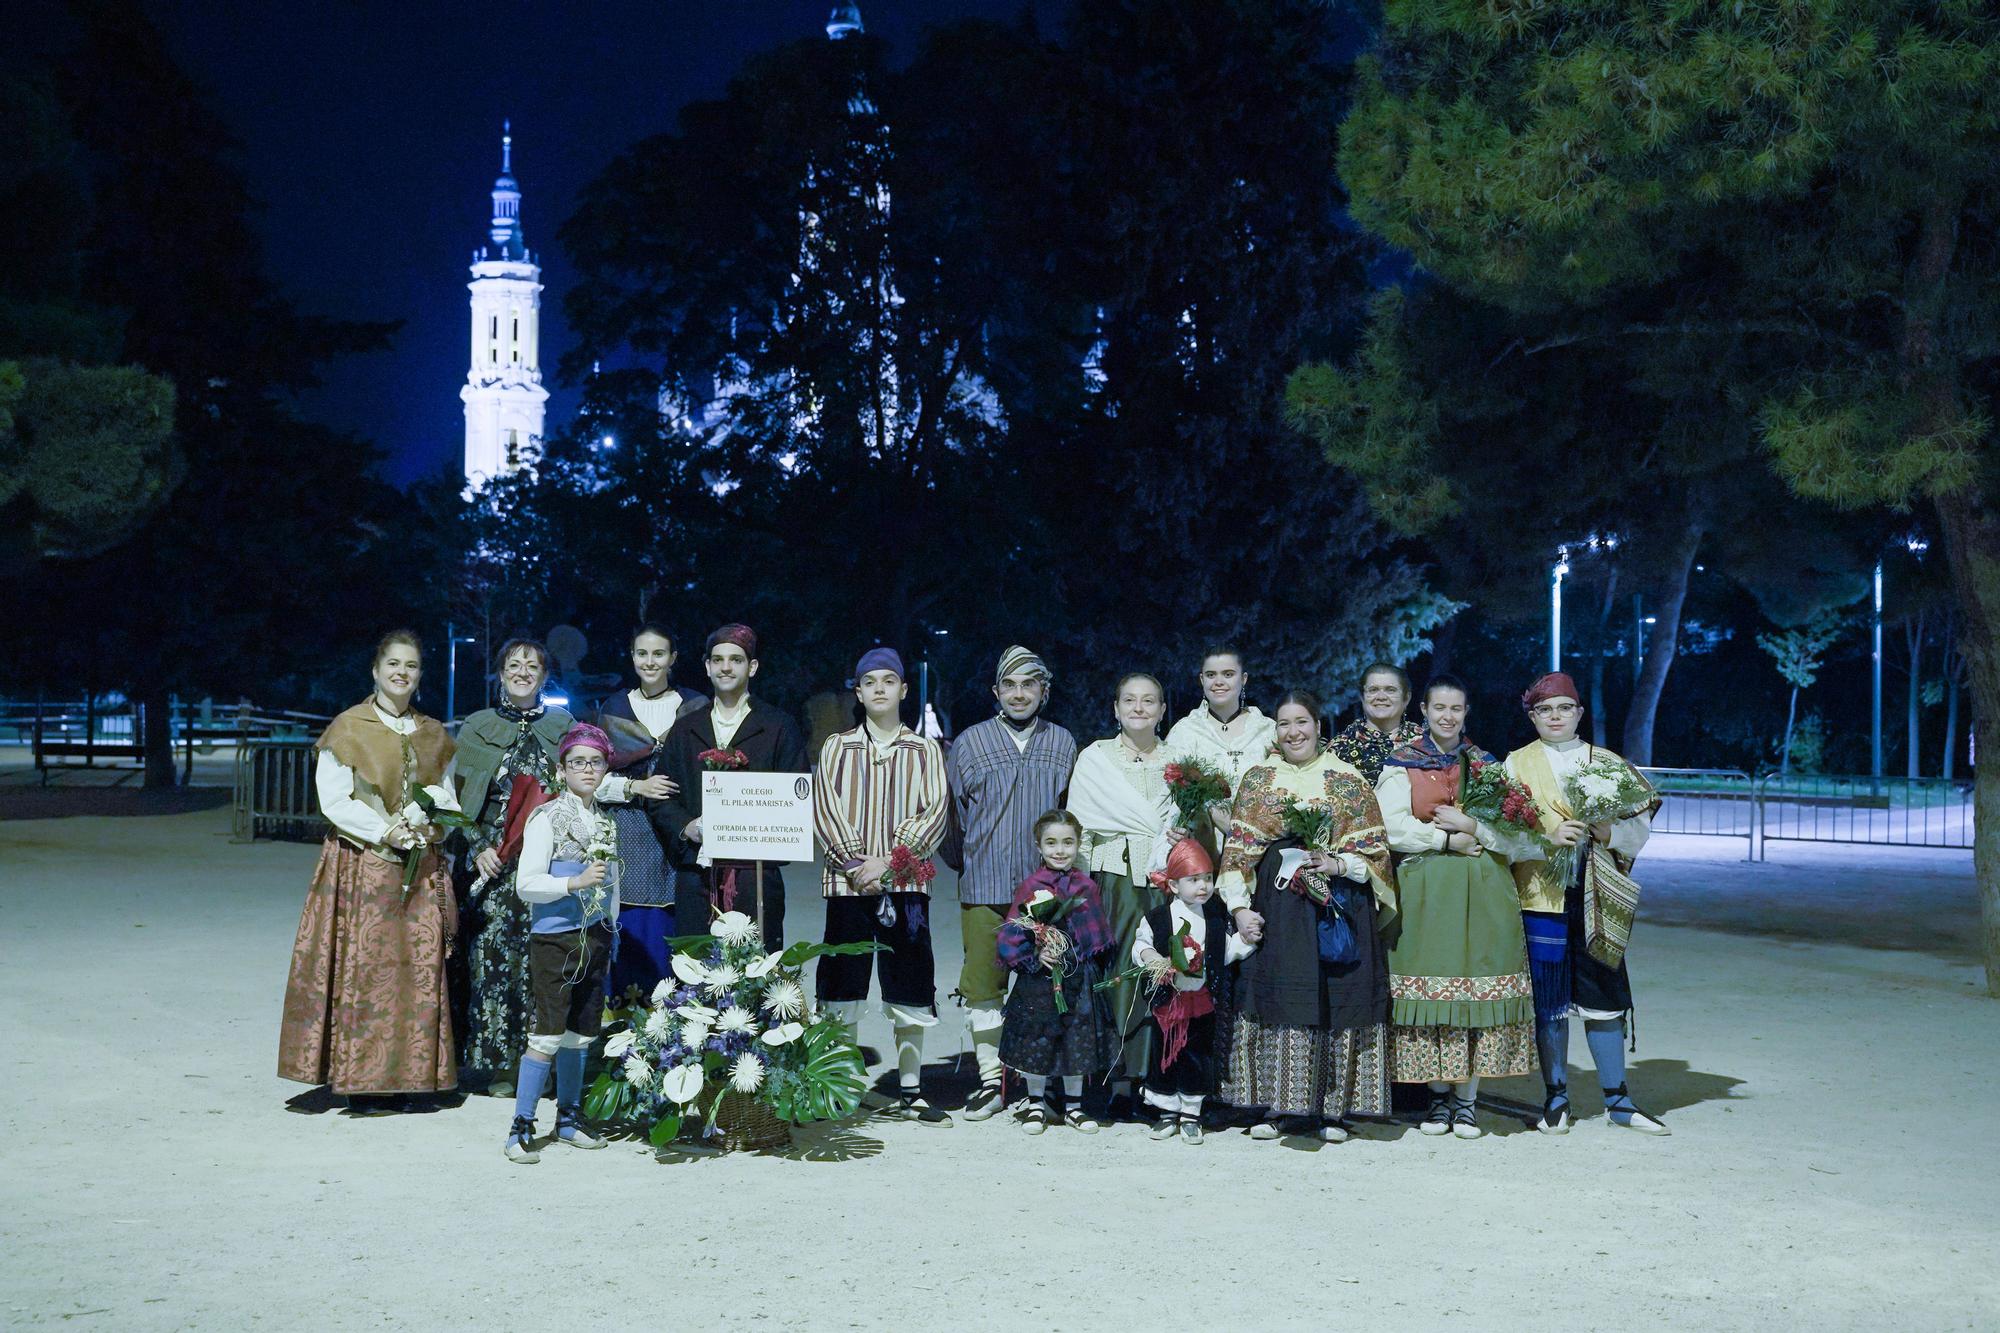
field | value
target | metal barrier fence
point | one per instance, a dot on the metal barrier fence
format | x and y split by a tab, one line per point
274	792
1838	808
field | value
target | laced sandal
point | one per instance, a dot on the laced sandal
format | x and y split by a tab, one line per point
1437	1120
1618	1102
520	1145
987	1100
1555	1110
1077	1120
1464	1124
1035	1119
911	1106
1168	1125
570	1129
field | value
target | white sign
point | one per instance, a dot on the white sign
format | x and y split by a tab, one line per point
756	816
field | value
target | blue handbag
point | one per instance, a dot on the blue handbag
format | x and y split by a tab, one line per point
1339	946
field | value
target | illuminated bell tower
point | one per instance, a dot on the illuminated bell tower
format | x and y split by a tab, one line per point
503	394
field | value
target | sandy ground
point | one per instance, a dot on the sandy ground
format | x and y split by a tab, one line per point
1830	1163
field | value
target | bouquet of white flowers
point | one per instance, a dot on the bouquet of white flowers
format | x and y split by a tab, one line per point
732	1020
1604	790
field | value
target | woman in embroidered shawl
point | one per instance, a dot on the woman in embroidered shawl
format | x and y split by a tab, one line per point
638	721
1462	1006
367	1007
1384	725
1310	1042
1118	792
505	767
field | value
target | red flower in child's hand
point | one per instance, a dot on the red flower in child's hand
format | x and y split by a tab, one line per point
926	872
900	858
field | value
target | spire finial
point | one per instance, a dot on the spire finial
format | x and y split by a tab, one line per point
507	147
844	22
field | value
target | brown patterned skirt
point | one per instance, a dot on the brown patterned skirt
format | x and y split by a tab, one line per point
366	1007
1327	1072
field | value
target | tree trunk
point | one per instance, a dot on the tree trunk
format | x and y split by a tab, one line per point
158	739
1913	636
1661	642
1972	544
1791	719
1950	726
1601	647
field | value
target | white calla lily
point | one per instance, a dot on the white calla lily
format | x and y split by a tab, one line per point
763	966
690	969
682	1083
783	1034
616	1045
663	990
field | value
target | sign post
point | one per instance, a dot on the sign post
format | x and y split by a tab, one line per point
757	817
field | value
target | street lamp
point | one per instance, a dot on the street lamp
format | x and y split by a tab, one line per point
1591	543
1916	544
452	640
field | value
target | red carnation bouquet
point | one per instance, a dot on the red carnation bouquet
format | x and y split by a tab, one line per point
1195	785
907	871
725	761
1507	807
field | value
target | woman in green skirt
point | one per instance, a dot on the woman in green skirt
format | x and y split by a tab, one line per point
1461	1004
1118	792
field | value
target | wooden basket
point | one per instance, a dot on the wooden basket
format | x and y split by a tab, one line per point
745	1124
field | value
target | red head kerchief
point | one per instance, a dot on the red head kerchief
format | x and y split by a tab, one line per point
584	734
1187	858
741	635
1555	685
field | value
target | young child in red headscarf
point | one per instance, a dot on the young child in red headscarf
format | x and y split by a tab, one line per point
1185	943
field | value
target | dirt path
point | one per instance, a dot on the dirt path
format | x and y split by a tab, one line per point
1830	1162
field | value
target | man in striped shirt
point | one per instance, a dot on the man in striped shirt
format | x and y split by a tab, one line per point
1004	773
881	788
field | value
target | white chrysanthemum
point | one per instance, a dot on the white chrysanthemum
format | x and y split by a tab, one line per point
747	1074
737	1019
659	1024
694	1035
690	969
720	978
763	966
617	1045
785	998
637	1072
1599	787
733	928
682	1083
783	1034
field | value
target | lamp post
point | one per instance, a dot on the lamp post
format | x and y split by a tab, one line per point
452	640
1591	544
1556	572
1916	544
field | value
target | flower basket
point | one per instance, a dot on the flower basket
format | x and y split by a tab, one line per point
744	1123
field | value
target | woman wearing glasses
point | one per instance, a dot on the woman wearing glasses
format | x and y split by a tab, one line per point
504	768
1568	979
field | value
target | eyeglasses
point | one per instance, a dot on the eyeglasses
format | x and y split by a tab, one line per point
1553	710
585	765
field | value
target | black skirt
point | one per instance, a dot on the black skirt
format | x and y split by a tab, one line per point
1284	983
1036	1039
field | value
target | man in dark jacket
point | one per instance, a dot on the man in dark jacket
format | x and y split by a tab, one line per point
768	741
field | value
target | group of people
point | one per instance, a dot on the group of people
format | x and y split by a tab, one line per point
1291	975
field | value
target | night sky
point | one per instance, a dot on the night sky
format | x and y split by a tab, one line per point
371	134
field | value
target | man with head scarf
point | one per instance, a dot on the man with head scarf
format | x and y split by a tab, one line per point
1569	976
1004	772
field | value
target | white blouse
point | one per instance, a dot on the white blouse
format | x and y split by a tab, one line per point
356	808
